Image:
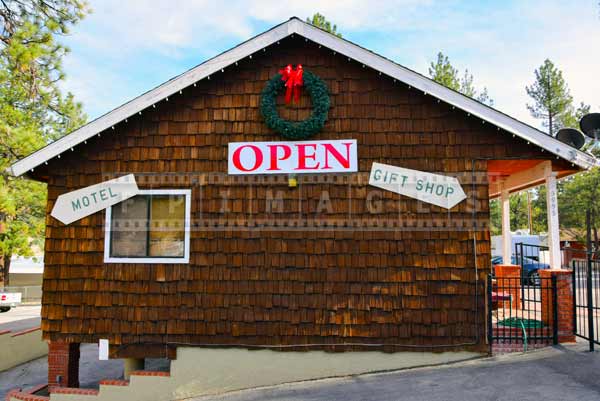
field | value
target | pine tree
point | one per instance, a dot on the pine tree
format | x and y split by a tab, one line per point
552	99
444	73
573	114
33	111
320	21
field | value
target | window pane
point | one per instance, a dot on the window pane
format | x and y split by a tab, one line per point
129	227
167	225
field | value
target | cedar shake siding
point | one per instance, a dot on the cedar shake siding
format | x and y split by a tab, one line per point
348	280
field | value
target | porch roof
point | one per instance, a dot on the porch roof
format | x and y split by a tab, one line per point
519	174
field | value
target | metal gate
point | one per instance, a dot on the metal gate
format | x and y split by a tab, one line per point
530	258
515	322
586	297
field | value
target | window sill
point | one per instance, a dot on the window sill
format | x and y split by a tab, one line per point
148	260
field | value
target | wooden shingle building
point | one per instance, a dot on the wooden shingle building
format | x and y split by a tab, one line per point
252	233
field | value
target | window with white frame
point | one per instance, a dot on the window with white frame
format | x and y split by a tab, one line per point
151	227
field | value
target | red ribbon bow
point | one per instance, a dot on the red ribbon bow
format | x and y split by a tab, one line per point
293	82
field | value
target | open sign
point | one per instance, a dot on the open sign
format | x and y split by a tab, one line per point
293	157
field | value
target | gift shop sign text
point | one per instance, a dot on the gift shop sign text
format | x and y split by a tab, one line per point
437	189
293	157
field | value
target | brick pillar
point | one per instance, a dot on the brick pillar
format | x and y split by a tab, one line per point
564	293
508	278
63	361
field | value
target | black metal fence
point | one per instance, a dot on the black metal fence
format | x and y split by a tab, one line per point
526	322
586	300
531	287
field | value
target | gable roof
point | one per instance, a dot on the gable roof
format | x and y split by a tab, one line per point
323	38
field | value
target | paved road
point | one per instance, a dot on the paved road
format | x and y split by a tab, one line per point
555	374
20	318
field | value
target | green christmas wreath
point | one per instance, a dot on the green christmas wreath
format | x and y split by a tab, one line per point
295	129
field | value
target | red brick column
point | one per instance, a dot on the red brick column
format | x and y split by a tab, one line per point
508	278
564	293
63	361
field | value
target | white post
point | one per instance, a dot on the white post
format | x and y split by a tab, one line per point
506	239
552	210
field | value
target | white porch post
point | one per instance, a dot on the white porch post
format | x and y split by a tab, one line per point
506	239
552	210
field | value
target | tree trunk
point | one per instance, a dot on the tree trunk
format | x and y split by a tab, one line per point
549	104
4	269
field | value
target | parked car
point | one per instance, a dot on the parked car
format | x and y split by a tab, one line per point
530	270
9	300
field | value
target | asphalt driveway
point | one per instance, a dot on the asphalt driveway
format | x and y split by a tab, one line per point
562	373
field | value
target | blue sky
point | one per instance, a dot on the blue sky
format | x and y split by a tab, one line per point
127	47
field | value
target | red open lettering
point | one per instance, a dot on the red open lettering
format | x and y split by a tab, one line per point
302	156
330	149
287	152
258	158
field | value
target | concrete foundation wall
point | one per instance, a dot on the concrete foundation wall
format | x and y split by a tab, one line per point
18	348
217	371
200	371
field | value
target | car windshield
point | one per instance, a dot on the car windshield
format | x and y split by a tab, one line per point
528	260
517	261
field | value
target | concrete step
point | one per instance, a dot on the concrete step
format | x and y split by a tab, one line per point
73	390
27	395
150	373
142	385
112	382
20	396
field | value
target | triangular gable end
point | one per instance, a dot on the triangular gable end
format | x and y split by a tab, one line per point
323	38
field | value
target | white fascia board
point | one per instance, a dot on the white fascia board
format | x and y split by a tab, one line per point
341	46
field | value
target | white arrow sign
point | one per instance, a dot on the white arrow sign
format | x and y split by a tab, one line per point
89	200
440	190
